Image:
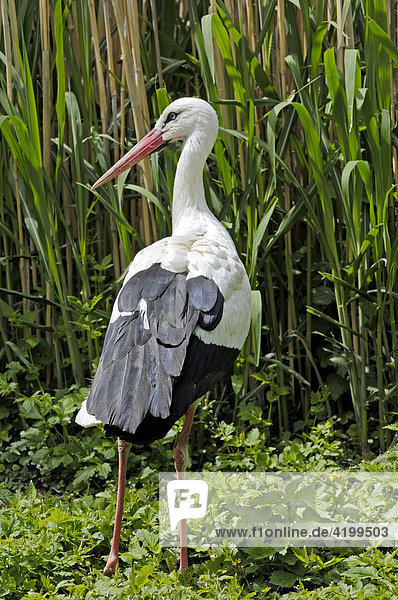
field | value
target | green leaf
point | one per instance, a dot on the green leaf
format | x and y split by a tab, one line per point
367	242
383	39
224	45
317	47
60	66
256	324
283	578
207	34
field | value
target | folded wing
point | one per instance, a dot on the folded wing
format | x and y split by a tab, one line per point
146	347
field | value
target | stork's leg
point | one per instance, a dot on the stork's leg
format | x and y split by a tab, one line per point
180	463
113	559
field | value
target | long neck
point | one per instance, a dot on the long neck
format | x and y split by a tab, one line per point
188	194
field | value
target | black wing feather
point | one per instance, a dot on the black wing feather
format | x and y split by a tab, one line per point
202	292
203	367
149	368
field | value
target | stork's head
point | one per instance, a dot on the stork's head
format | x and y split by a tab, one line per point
182	119
187	116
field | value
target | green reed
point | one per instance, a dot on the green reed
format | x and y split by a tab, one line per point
302	175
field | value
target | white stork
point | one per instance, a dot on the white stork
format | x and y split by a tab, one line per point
182	315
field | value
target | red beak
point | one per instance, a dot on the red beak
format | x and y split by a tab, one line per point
152	141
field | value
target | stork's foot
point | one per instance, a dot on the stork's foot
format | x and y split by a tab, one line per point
111	565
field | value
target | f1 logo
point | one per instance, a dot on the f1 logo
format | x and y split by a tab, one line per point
187	499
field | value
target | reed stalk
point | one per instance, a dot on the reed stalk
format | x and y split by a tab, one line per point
283	93
23	267
157	44
219	76
305	187
99	69
143	116
115	125
134	94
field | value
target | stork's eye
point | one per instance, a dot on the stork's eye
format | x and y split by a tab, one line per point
170	117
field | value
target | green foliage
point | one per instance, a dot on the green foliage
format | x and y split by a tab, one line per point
303	176
55	544
47	450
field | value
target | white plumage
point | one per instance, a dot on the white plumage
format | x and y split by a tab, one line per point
199	245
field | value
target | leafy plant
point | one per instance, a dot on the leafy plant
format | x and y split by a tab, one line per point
302	175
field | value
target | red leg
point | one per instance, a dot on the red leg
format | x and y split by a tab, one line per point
180	463
113	559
